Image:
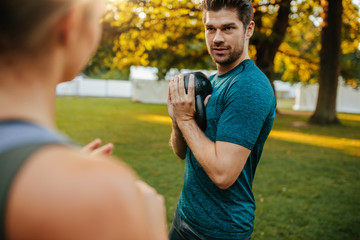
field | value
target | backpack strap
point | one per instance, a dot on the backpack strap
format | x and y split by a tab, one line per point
11	162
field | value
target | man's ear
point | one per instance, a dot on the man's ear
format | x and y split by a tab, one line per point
66	26
250	30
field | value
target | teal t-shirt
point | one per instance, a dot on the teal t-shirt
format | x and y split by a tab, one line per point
241	110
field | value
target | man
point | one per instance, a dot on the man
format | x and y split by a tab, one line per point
49	189
216	201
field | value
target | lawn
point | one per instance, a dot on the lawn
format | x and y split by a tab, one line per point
307	184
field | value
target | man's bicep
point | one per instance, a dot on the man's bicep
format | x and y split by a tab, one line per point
233	158
242	119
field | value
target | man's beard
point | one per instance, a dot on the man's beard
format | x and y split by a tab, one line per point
230	59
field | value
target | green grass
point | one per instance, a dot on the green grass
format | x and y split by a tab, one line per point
285	103
304	189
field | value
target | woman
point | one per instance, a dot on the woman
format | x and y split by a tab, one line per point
48	188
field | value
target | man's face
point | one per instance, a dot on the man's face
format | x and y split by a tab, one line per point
225	36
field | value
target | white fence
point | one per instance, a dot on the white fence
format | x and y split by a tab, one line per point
95	88
347	100
150	91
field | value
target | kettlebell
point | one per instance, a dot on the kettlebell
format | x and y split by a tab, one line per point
203	88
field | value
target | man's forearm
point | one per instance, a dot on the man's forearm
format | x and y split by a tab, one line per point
178	142
202	147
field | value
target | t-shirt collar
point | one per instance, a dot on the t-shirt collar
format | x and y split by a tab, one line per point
239	68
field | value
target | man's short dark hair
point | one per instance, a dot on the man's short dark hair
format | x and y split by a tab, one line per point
243	8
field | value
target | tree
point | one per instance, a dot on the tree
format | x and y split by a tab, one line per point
325	112
170	34
298	56
350	68
350	58
164	34
267	42
102	64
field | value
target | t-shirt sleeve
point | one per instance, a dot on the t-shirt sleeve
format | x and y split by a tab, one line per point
245	111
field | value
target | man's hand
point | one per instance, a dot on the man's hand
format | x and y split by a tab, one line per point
181	106
206	100
94	148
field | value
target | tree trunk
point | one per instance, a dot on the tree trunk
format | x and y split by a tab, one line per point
267	46
325	112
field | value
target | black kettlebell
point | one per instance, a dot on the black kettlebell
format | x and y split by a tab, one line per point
202	89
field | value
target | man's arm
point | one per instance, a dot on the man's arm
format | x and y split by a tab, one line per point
222	161
177	140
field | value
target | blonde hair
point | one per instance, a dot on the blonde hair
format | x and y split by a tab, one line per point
25	25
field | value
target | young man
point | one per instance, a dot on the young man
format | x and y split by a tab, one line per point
216	201
48	188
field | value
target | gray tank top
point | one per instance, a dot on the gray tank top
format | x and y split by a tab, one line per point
18	141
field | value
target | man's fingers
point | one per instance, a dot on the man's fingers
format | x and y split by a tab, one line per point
169	94
206	100
173	89
191	89
191	86
181	85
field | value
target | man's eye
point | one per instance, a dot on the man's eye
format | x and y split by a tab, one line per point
229	28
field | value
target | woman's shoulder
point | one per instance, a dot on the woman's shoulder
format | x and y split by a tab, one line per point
76	195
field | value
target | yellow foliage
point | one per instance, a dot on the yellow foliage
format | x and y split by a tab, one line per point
252	52
171	28
161	28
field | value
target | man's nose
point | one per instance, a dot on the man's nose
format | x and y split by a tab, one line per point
218	36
